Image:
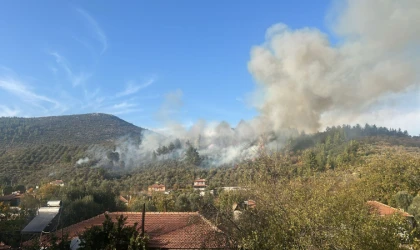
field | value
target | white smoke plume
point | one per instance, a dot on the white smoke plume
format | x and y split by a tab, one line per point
304	82
82	161
303	78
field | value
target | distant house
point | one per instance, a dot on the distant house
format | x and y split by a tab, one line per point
157	188
200	184
57	183
12	200
385	210
123	200
244	205
238	208
172	230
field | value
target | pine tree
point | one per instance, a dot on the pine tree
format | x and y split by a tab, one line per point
192	156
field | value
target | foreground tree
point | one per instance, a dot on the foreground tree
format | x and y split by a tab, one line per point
403	199
113	235
414	208
319	212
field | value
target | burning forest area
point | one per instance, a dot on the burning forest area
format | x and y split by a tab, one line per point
210	125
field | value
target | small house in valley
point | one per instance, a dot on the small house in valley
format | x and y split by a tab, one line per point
200	184
157	188
238	208
57	183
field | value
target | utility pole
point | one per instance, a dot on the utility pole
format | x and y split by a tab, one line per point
143	219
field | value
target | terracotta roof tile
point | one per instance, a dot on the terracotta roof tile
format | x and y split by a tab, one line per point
251	203
173	230
121	198
383	209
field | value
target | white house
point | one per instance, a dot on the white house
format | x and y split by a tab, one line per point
200	184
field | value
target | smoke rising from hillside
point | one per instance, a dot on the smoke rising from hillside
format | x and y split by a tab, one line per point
304	82
82	161
302	77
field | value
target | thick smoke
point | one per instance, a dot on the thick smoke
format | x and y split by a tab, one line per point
217	142
305	81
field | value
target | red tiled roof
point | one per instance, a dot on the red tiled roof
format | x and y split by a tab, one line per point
383	209
121	198
165	230
200	180
251	203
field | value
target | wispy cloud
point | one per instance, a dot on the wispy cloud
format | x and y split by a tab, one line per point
92	99
122	108
124	105
106	104
24	93
15	87
75	79
132	88
98	32
22	98
125	111
8	112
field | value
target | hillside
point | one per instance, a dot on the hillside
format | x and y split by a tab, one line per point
333	173
70	130
48	145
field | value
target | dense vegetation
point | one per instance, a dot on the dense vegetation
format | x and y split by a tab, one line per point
300	206
64	130
310	194
34	149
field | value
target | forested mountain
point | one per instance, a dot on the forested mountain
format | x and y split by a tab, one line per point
310	192
49	145
70	130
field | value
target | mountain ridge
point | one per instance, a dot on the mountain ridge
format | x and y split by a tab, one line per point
79	129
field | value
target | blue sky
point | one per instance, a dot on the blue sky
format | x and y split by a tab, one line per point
62	57
127	59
